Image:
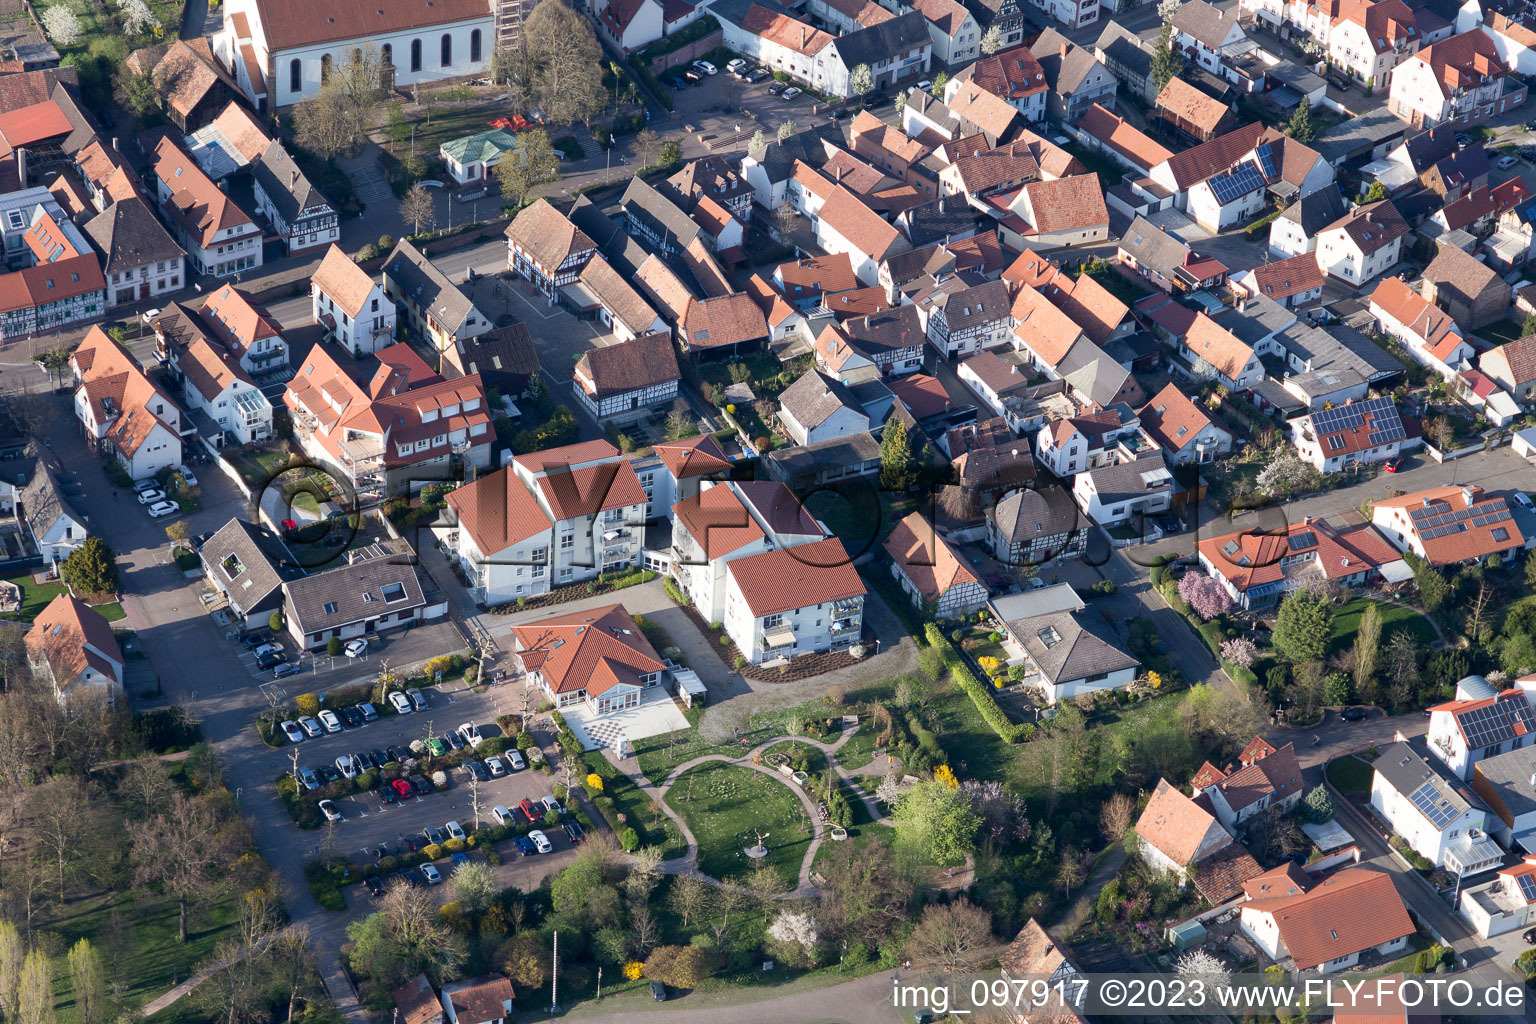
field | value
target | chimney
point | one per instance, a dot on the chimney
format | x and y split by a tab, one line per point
1065	46
114	142
293	178
803	30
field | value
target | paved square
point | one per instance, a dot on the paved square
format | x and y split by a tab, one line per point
656	714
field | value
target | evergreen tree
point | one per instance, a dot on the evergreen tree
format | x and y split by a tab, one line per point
91	569
1375	194
1300	127
1167	63
897	471
1319	805
1303	626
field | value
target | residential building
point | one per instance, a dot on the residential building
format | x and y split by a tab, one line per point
1191	114
1438	817
417	1003
846	225
1295	231
1512	366
884	344
1034	953
717	178
350	305
1036	526
1072	445
1368	40
1012	75
953	31
1428	333
121	410
1503	780
1464	733
1183	431
64	287
1212	351
1346	436
597	659
1073	75
769	170
1114	493
220	238
721	522
192	83
722	325
1176	834
544	247
1060	213
962	319
245	331
1167	262
1102	130
1459	80
486	999
1466	288
139	258
503	539
52	522
1258	569
73	648
792	601
299	214
246	563
1128	59
435	307
282	50
1364	243
1007	16
1506	904
1230	179
1327	925
389	424
630	380
215	386
1211	37
616	303
1266	778
1064	652
933	575
1294	283
1449	525
818	407
378	590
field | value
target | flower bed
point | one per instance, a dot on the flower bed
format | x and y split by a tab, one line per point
573	591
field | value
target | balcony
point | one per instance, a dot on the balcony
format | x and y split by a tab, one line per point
847	606
842	627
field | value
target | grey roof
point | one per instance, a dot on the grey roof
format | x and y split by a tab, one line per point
1337	348
129	235
42	502
1326	382
815	397
917	262
285	185
1123	47
504	358
1258	318
884	41
1430	147
1510	775
1302	79
1153	247
935	110
938	221
1028	513
778	156
591	221
1317	210
355	592
1068	645
1126	481
1093	373
890	330
422	283
1062	74
1357	136
242	558
776	507
1406	771
1203	23
1273	392
988	11
82	131
807	460
966	307
659	212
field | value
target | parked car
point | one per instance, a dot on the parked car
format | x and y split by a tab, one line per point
477	769
541	841
269	648
431	874
418	699
410	877
151	496
189	476
346	766
454	740
163	508
735	64
350	717
1521	498
706	67
310	726
368	711
356	648
401	703
1506	162
436	747
496	767
330	721
756	75
308	779
529	811
502	815
328	774
371	883
1394	464
524	846
328	809
459	860
573	831
270	660
388	794
140	486
422	784
515	760
364	761
293	732
399	755
434	835
551	804
1530	936
402	788
1353	714
455	830
471	733
790	93
777	87
283	670
258	638
380	757
924	85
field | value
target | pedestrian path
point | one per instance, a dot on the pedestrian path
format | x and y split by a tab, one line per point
370	184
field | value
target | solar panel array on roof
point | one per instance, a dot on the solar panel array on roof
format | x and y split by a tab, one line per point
1428	799
1236	184
1303	540
1495	722
1266	155
1440	519
1527	888
1386	425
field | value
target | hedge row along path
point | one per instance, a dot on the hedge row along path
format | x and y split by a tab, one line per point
688	863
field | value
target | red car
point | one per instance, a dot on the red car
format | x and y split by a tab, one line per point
1394	464
529	812
290	525
403	787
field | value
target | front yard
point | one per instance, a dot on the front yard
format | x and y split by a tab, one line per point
1394	618
35	597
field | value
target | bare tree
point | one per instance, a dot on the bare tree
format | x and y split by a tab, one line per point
62	812
951	938
418	209
182	850
690	898
565	61
1116	816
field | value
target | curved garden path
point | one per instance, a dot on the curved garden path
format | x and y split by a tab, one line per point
688	863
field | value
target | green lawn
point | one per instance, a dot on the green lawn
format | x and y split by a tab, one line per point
34	598
723	803
1350	775
659	755
862	518
815	760
860	750
139	948
256	468
1346	622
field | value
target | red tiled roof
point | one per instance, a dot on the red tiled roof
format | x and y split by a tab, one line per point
1284	278
1198	163
1372	227
1248	559
32	124
200	206
1191	106
1172	419
819	274
1174	824
1352	911
1358	436
62	634
1277	776
927	558
1123	138
1089	304
797	577
924	396
1046	330
694	456
497	511
1218	346
718	521
587	650
859	225
1067	204
1012	74
1470	541
1462	61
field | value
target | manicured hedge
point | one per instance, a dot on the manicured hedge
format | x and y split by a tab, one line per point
960	672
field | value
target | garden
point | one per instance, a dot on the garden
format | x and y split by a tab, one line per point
727	807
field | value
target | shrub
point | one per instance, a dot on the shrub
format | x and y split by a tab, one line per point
453	845
431	851
993	715
333	647
307	704
629	839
